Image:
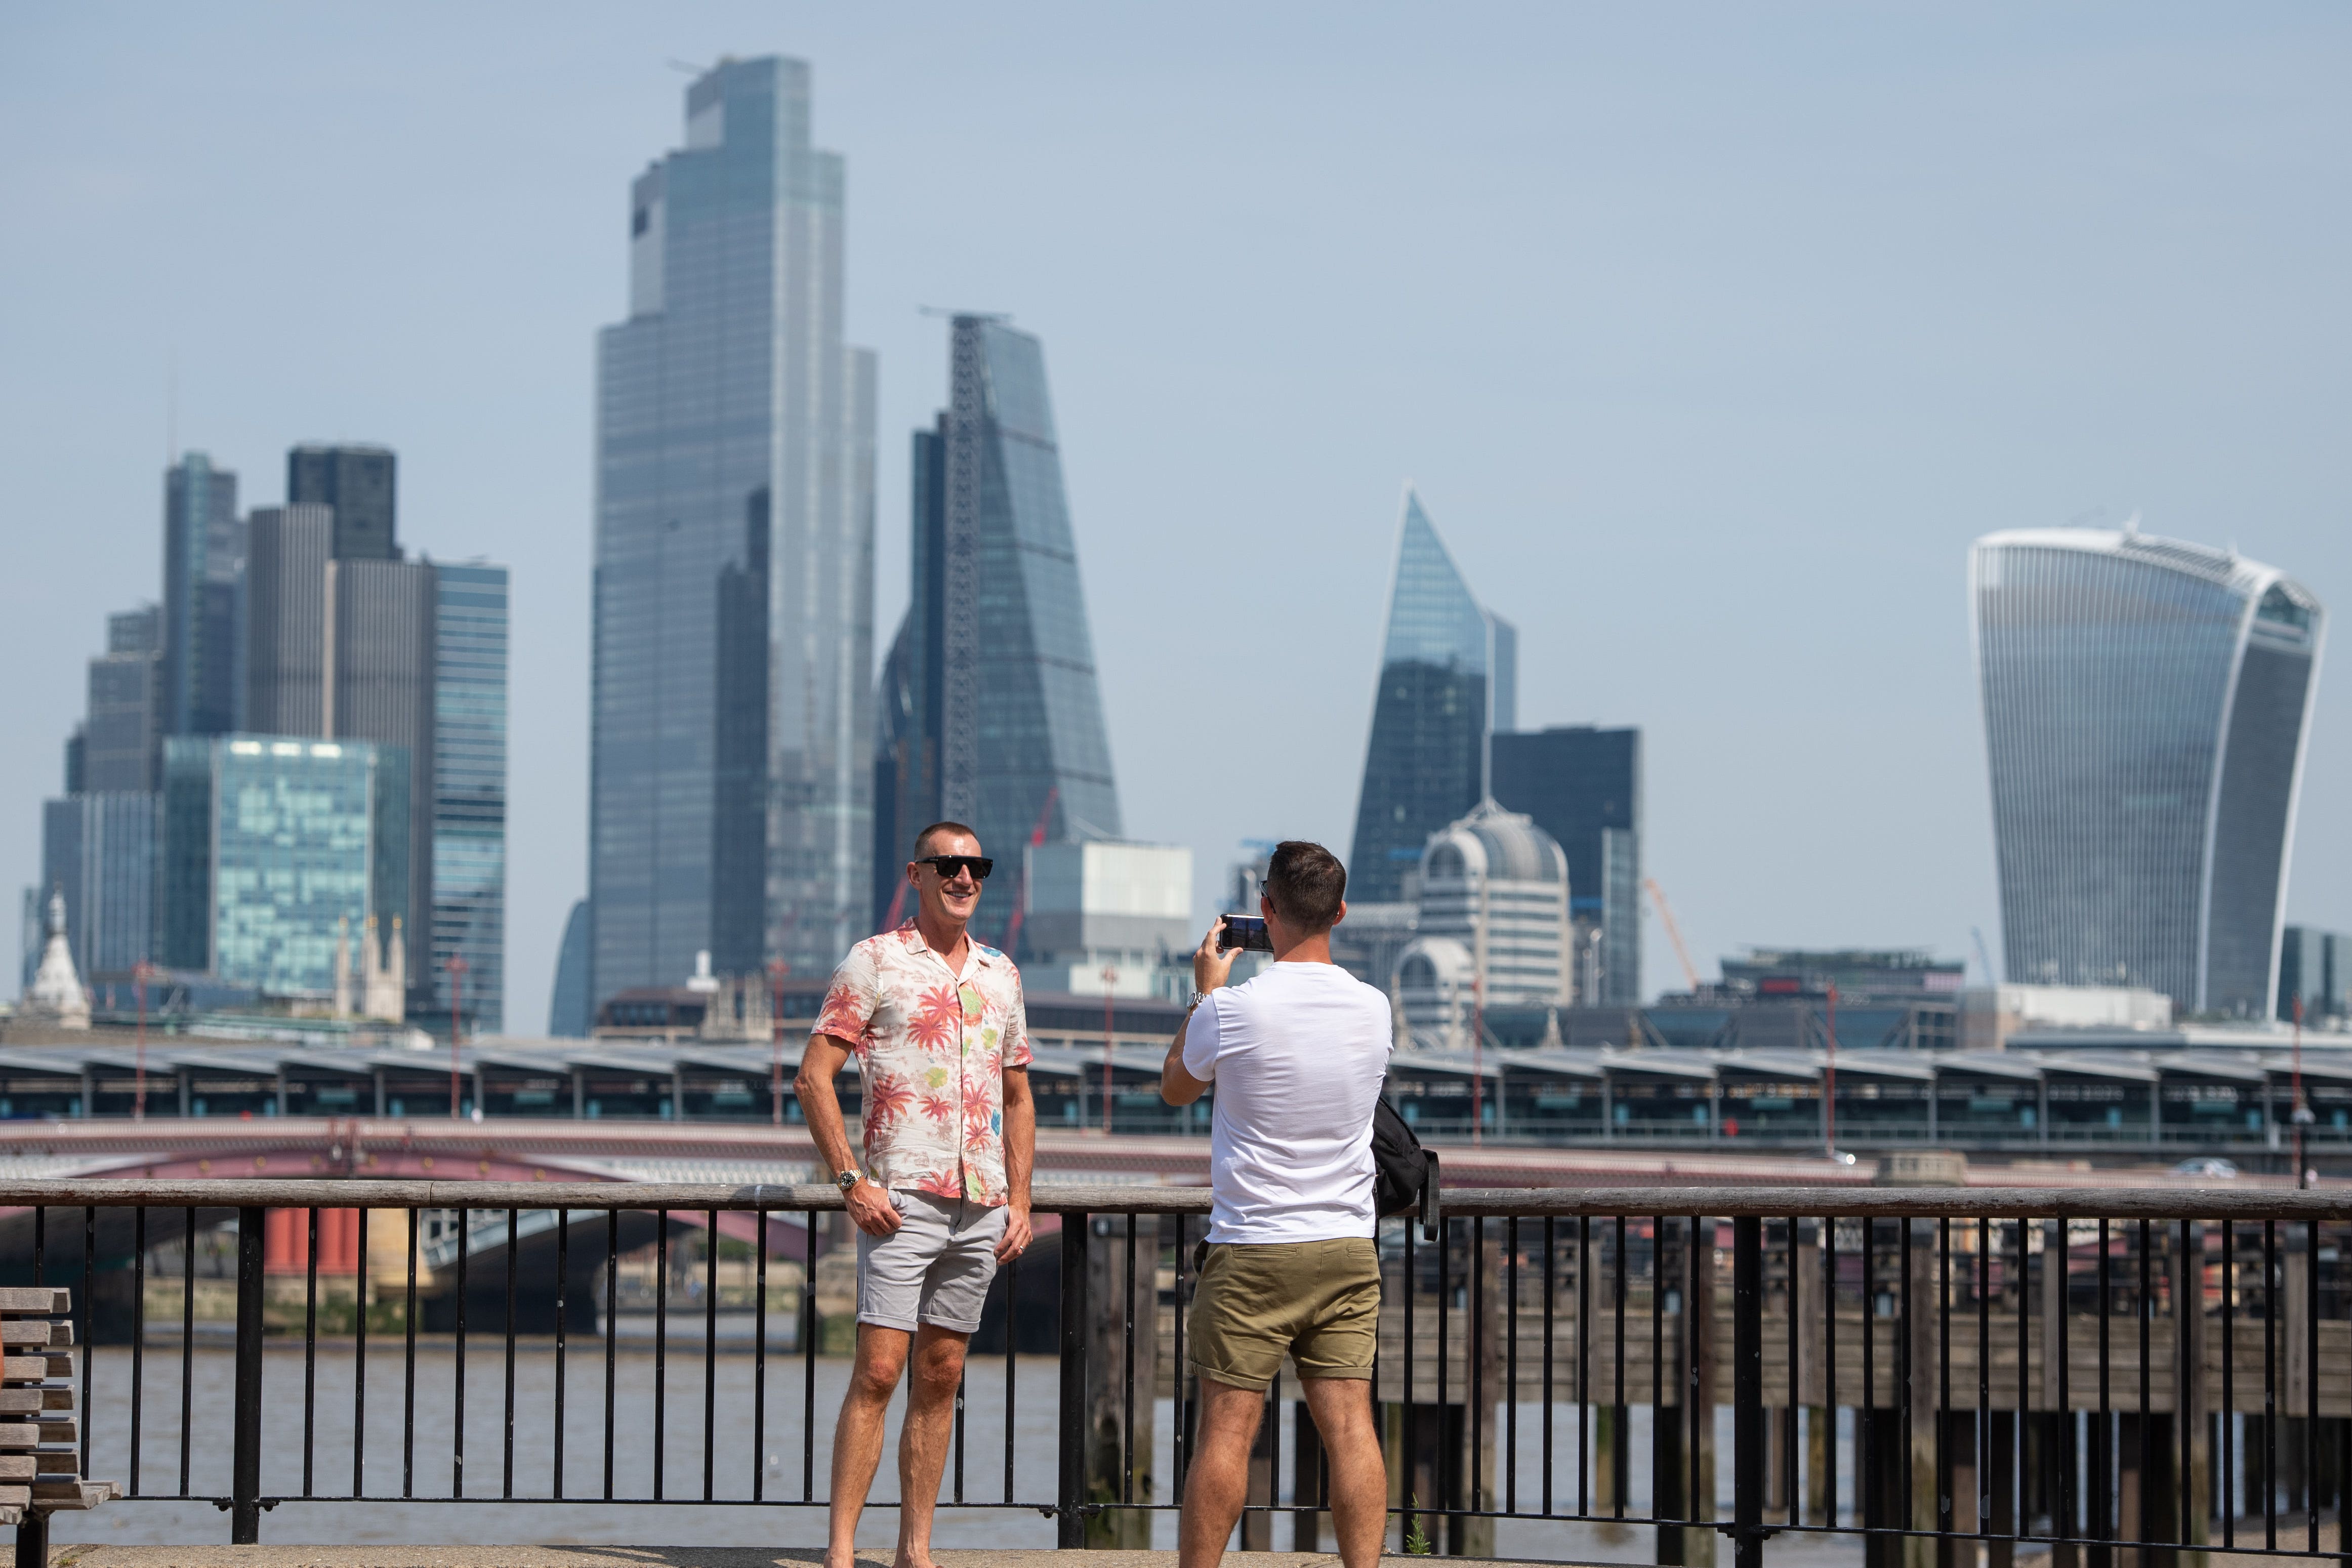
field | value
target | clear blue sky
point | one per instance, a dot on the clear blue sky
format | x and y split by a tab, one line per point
1711	337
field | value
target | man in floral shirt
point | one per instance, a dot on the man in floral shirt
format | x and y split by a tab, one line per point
936	1023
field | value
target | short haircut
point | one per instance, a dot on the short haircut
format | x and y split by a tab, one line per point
925	835
1305	883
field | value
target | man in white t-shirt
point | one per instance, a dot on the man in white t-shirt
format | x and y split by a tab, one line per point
1297	1057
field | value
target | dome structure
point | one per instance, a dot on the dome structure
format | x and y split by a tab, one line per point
1494	928
56	993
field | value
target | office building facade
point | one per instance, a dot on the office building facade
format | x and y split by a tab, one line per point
356	484
277	854
123	729
1492	930
204	571
1582	786
2315	969
2146	702
734	467
469	794
1448	679
97	852
347	648
991	712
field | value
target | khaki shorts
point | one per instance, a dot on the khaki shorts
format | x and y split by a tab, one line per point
1317	1302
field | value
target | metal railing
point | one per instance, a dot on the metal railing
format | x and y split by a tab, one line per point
2083	1372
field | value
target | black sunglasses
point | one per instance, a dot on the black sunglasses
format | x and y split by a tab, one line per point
946	866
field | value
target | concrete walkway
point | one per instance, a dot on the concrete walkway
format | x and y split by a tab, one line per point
103	1556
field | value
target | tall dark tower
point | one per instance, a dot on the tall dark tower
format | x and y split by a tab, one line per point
204	570
357	481
1448	672
726	401
997	724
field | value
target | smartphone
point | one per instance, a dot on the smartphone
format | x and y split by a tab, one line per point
1246	933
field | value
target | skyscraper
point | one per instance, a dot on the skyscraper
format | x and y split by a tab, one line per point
469	791
98	850
568	1012
1449	675
289	600
357	483
991	714
729	410
204	571
122	736
347	649
276	852
1583	786
2144	703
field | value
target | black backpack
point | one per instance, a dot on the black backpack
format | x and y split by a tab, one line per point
1404	1174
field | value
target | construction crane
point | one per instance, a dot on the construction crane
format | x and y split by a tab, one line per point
1674	934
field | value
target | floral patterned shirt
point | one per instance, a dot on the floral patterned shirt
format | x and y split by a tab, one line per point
932	1049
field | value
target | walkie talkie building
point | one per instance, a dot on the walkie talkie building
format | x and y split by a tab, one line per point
2146	702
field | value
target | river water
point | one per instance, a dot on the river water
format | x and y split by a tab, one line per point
778	1456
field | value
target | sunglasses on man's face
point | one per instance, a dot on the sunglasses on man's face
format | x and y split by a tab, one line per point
946	866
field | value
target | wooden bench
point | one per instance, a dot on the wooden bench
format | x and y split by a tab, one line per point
40	1458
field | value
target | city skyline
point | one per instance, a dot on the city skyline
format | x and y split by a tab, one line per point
1758	569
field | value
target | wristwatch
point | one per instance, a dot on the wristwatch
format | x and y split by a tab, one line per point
846	1180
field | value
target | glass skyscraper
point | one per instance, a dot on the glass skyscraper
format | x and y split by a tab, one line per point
99	850
989	711
204	571
2146	702
469	791
731	744
1583	785
1449	675
360	483
276	850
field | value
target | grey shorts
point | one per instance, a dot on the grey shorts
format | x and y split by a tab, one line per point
934	1269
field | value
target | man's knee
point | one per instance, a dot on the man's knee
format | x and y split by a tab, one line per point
1342	1408
881	1359
938	1366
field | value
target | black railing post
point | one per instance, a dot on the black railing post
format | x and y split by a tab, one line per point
1748	1393
245	1475
1070	1490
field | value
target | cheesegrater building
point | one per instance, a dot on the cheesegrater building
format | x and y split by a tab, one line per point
995	721
2146	703
731	732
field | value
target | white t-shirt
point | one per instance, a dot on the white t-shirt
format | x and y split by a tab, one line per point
1297	1057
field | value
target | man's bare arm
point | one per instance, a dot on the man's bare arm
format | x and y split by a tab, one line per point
1020	1160
1020	1134
1177	1087
1212	966
820	1106
869	1205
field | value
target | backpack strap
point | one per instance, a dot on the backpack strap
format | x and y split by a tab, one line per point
1431	1219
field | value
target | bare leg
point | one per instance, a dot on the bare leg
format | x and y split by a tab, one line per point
923	1440
857	1437
1217	1482
1342	1408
